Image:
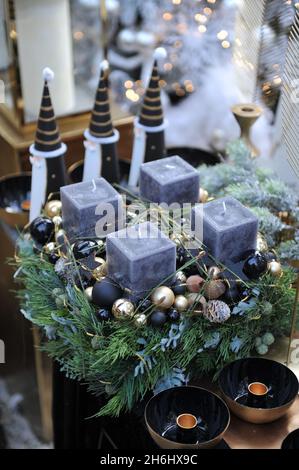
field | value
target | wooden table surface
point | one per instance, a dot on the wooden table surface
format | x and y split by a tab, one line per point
242	435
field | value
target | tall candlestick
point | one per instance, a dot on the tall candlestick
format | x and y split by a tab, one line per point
44	38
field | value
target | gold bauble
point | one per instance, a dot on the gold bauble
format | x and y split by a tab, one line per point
181	277
181	303
214	289
88	293
53	208
261	243
275	268
140	319
100	270
49	247
214	272
177	238
123	309
57	219
203	195
163	297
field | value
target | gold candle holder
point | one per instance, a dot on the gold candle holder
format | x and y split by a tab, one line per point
246	115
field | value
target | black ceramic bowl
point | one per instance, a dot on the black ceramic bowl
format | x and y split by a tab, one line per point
210	413
258	390
15	199
291	441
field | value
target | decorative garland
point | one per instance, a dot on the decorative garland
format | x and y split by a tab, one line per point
129	351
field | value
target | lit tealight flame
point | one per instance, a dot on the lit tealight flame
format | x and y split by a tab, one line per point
225	44
167	16
202	28
131	95
128	84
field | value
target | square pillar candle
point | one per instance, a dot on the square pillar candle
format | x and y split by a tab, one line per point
140	257
229	229
169	180
91	209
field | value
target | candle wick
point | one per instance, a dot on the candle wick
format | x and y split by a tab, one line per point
224	208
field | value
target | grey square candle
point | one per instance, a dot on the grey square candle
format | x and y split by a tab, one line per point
91	209
169	180
140	257
229	228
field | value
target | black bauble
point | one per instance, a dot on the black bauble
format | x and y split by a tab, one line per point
158	318
103	315
84	248
105	292
42	230
53	257
178	288
183	257
173	315
270	256
232	293
255	265
144	305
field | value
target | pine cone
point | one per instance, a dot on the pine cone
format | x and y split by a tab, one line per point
217	311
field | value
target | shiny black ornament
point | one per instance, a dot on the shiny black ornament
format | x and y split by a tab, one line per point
255	265
103	315
105	292
84	248
232	293
42	230
173	315
158	318
178	288
270	256
53	257
183	257
144	305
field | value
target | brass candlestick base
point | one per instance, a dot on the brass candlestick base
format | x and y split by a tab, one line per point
246	115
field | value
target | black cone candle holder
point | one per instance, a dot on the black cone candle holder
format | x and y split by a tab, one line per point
291	441
258	390
186	418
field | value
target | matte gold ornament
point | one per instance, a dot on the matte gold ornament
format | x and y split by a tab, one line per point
53	208
140	319
275	268
217	311
57	219
181	277
214	289
181	303
214	272
123	309
100	270
261	243
203	195
88	293
163	297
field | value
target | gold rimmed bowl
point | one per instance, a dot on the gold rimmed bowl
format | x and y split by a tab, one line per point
187	418
258	390
15	199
